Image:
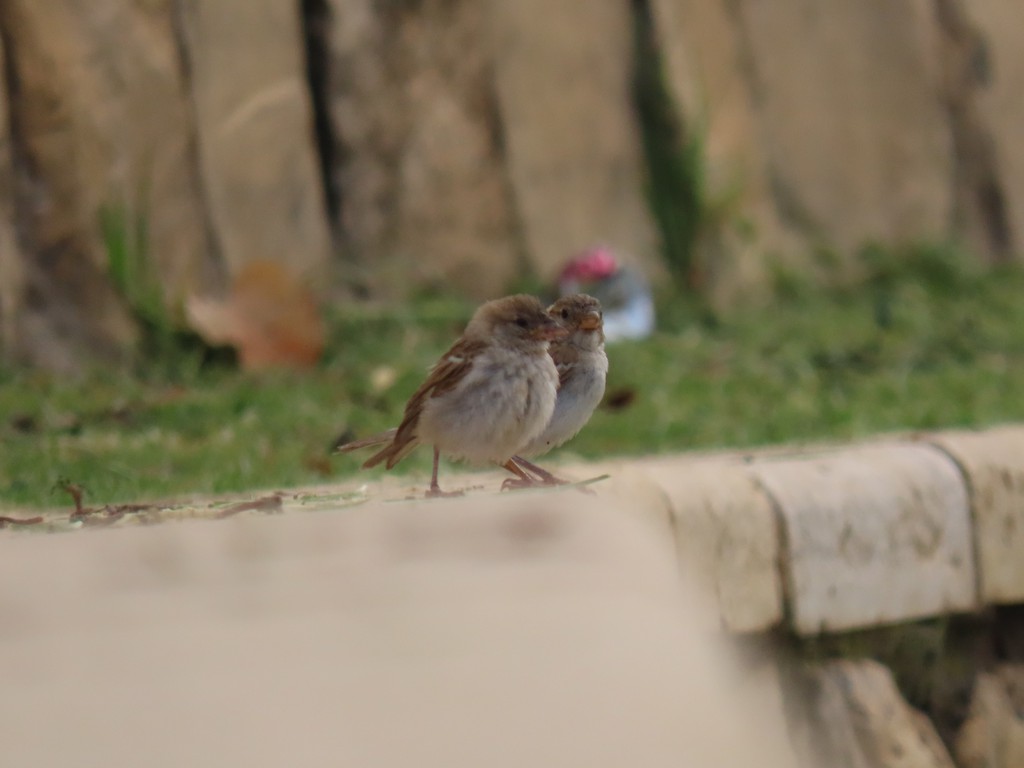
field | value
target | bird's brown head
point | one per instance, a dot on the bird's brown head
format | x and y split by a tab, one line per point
515	320
580	315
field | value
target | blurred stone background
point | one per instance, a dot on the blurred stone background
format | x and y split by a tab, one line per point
385	147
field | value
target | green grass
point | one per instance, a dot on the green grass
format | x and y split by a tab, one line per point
925	344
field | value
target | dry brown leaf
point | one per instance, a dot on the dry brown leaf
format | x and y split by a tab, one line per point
269	317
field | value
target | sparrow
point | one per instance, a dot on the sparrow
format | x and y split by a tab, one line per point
624	291
491	393
582	368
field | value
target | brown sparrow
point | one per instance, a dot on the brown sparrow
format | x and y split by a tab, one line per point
491	393
582	368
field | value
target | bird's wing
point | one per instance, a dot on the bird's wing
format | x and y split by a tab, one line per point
566	359
444	377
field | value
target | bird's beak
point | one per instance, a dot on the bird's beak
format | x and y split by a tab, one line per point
550	331
591	321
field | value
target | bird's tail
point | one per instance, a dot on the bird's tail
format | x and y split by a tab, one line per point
394	452
368	442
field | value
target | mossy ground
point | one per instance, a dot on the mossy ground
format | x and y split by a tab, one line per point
922	344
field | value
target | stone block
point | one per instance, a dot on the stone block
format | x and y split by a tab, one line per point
105	151
993	462
417	155
854	716
254	119
993	734
727	536
11	267
704	57
563	74
998	67
873	535
852	117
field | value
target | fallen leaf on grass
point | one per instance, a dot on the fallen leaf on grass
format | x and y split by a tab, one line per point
269	317
619	399
319	464
25	423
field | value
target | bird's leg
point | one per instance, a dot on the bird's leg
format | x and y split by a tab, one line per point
546	477
435	489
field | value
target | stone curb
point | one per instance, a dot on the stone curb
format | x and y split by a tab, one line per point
839	538
993	464
872	535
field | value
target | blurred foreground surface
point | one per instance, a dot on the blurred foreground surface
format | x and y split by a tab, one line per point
537	630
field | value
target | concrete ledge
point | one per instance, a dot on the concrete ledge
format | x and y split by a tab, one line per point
894	529
726	535
993	462
873	535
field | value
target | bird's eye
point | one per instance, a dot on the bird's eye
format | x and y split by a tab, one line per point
565	314
522	322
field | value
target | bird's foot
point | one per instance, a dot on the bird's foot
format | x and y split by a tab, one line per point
519	483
